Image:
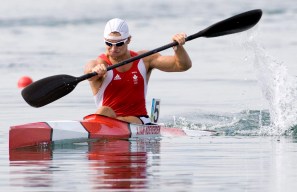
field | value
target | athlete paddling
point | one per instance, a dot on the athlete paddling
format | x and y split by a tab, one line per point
120	93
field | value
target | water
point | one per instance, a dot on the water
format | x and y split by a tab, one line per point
212	164
242	86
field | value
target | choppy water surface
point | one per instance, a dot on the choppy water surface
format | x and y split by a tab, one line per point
243	86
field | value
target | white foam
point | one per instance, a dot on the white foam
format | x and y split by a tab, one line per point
279	88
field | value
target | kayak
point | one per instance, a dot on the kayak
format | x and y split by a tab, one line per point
92	127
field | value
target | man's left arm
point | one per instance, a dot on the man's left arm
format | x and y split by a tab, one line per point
180	61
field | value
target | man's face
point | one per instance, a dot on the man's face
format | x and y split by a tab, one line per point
116	48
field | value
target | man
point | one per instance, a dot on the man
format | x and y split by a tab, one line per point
120	93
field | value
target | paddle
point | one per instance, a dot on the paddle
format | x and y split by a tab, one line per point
47	90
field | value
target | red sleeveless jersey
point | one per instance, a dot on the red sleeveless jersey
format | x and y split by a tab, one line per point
124	92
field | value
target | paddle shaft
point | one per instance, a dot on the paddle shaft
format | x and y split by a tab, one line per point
235	24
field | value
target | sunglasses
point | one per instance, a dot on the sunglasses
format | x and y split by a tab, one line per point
117	44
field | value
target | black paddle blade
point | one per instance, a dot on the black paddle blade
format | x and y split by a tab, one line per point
235	24
47	90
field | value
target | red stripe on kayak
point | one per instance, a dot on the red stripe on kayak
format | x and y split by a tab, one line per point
105	127
29	135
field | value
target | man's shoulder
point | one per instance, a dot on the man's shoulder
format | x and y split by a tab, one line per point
103	58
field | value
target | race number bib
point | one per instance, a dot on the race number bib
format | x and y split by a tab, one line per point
155	111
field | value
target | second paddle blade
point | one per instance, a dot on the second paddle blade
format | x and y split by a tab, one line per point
235	24
47	90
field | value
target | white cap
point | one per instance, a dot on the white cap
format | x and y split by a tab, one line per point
116	25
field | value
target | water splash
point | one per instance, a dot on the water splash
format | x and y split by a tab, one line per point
279	89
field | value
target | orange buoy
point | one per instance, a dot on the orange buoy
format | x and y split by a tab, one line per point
24	81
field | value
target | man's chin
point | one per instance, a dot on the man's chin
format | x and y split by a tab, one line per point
114	55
